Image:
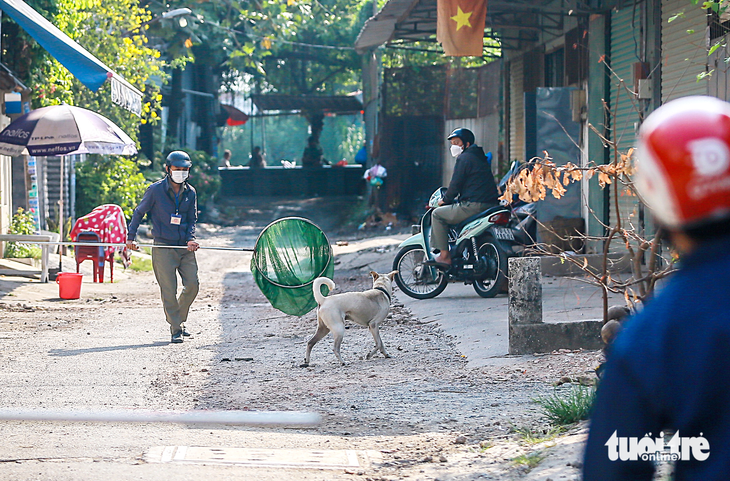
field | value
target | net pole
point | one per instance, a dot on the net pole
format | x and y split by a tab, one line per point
108	244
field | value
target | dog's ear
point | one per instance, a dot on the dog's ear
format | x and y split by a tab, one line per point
391	275
374	274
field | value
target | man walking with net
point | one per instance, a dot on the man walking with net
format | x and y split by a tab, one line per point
173	209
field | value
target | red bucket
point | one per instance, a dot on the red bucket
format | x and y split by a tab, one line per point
69	285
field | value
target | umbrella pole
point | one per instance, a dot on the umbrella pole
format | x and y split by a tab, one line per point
61	248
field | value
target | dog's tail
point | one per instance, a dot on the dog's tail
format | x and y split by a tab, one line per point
317	287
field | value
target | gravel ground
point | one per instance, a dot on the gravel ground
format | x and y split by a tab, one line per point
422	414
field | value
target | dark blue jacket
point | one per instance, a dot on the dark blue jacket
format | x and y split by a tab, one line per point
159	201
670	370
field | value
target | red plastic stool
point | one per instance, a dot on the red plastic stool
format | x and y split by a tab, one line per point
96	254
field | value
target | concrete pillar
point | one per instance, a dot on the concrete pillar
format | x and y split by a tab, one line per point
525	290
528	334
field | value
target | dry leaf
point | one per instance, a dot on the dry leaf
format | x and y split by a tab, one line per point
576	175
558	190
603	179
550	180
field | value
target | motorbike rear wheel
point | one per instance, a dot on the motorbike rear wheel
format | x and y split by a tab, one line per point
415	279
490	252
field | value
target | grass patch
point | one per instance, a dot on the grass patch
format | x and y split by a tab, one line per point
537	436
140	264
568	408
529	460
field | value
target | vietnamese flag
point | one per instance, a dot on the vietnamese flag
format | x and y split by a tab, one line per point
460	27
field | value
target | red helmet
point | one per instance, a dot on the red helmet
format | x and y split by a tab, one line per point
683	167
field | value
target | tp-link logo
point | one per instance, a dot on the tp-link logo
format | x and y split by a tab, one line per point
655	449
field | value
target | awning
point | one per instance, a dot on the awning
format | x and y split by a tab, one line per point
338	104
83	65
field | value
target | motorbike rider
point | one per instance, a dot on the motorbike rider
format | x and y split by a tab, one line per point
473	183
668	371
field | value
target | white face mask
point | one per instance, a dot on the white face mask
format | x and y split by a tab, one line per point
179	176
456	150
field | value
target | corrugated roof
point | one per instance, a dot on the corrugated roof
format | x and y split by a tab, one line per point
513	22
340	104
380	28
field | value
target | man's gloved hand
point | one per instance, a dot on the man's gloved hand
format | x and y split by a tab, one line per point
193	246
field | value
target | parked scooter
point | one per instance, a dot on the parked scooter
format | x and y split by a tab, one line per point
479	247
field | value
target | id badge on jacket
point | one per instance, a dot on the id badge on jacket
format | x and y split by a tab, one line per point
175	219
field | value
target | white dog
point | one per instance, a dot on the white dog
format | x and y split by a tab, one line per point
367	308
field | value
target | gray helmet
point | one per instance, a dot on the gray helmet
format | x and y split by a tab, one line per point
466	135
178	158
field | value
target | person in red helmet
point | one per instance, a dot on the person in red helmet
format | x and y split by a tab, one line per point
665	391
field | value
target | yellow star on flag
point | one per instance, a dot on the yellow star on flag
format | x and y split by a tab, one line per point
461	18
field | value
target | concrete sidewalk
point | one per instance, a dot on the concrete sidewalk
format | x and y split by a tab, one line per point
478	326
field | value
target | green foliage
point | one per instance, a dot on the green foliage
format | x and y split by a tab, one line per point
540	435
292	47
140	264
562	409
529	460
204	176
108	180
25	53
22	223
110	30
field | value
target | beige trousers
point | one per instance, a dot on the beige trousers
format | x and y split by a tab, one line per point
167	263
451	214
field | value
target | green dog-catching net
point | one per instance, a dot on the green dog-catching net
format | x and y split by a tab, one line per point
289	255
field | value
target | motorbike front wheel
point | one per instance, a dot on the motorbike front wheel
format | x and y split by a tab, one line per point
415	279
496	279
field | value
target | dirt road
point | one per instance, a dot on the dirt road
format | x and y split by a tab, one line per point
421	414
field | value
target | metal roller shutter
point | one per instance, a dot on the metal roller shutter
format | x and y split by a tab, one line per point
624	41
517	111
684	50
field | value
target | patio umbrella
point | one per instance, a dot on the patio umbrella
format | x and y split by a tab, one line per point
64	129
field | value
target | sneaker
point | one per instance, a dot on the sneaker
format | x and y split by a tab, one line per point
185	332
177	337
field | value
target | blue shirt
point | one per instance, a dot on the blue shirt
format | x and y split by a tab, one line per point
670	370
162	204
